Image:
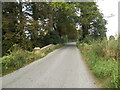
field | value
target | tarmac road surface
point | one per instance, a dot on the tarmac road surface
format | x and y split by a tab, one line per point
62	68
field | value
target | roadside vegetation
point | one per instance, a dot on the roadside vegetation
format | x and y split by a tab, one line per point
26	25
102	59
19	58
37	24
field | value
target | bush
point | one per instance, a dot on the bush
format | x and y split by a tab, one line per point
64	39
111	38
88	39
52	37
112	49
98	48
16	60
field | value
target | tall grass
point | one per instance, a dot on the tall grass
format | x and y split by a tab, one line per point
19	58
102	59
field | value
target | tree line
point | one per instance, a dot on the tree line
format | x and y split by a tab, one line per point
36	24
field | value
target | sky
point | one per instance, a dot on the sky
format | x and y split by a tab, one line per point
110	10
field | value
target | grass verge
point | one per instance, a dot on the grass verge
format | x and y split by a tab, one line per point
102	61
20	58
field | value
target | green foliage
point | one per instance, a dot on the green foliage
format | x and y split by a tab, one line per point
98	48
88	39
111	38
103	65
42	23
90	18
112	49
19	58
52	37
16	60
104	69
64	39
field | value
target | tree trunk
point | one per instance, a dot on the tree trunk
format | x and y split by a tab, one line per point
50	16
85	31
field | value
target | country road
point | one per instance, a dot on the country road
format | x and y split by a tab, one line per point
63	68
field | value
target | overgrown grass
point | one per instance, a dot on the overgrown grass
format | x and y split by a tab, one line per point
19	58
103	61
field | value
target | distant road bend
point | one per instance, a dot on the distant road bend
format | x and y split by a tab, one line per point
63	68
